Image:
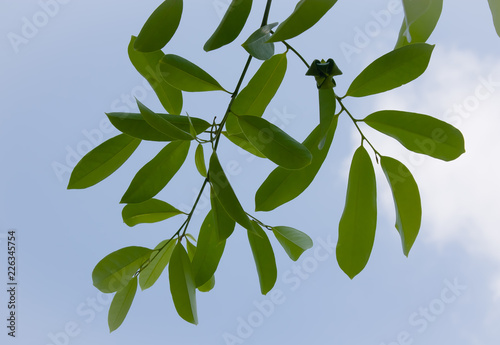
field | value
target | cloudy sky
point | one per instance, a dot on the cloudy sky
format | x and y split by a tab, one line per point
64	64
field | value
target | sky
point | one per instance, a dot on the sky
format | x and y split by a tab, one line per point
68	66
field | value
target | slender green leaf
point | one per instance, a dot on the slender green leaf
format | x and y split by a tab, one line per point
294	242
359	219
283	185
147	65
149	211
257	45
134	125
495	11
192	250
224	224
421	17
263	256
160	26
327	107
161	124
120	305
115	270
256	96
102	161
155	175
274	143
419	133
406	200
159	260
225	193
242	141
231	25
199	159
186	76
182	286
209	285
392	70
208	252
306	14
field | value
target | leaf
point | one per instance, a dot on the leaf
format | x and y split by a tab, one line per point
306	14
160	26
231	25
182	286
224	224
421	17
257	45
419	133
147	65
274	143
359	219
242	141
134	125
120	305
115	270
225	193
209	285
256	96
161	124
294	242
159	260
199	159
149	211
392	70
155	175
102	161
208	252
263	255
186	76
327	107
283	185
406	200
495	11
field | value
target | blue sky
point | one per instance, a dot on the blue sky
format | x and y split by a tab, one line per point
73	67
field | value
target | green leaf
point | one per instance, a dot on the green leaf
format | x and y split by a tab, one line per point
392	70
274	143
495	11
134	125
283	185
159	260
421	17
306	14
209	285
208	252
242	141
263	256
115	270
257	45
256	96
359	219
406	200
147	65
182	286
155	175
327	107
102	161
149	211
419	133
231	25
199	159
225	193
161	124
224	224
122	301
160	27
186	76
294	242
